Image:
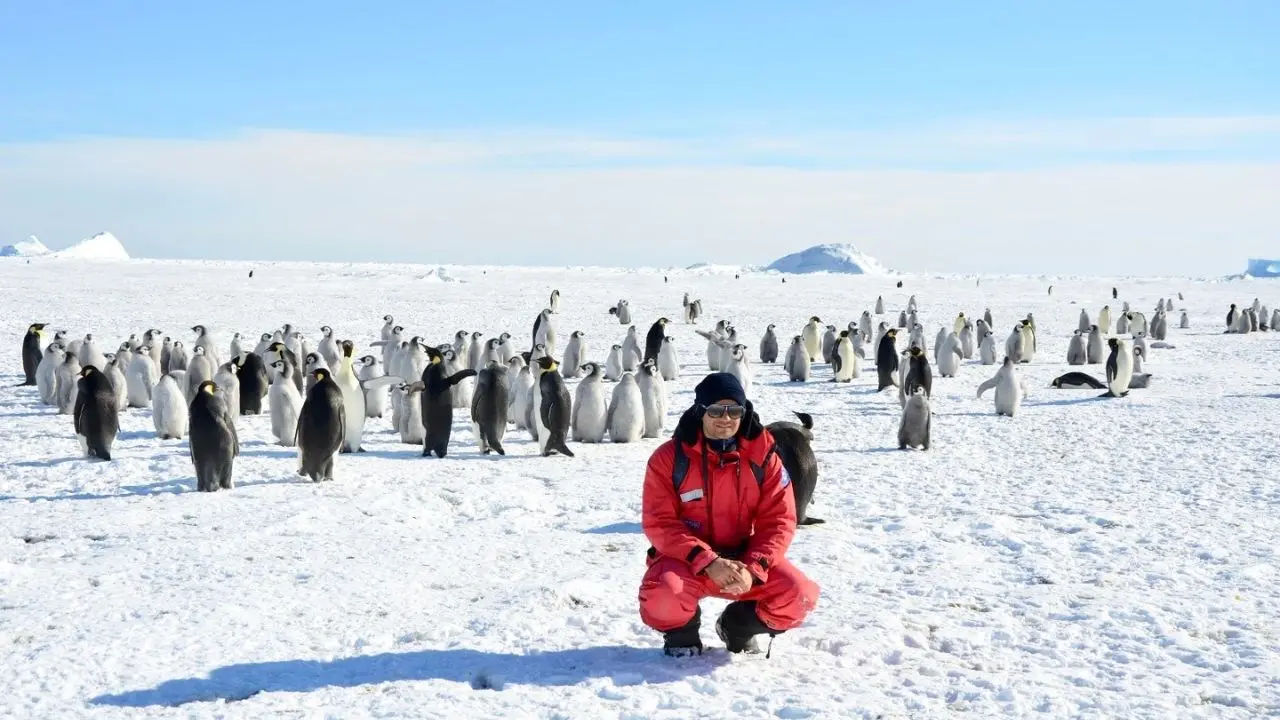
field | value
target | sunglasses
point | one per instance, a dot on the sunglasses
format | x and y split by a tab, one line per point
718	411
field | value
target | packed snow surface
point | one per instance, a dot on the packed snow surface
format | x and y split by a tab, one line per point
103	246
830	258
1087	558
31	247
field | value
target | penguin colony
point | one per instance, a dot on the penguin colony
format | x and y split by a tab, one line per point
321	398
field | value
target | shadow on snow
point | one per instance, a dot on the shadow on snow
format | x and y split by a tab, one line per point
482	670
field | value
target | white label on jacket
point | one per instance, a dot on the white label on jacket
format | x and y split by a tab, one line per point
691	495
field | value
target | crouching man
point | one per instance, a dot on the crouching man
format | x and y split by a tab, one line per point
720	515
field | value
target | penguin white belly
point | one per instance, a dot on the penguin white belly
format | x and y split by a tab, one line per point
667	364
285	404
353	407
412	430
1008	396
848	361
521	391
948	359
590	412
613	365
119	385
627	418
169	410
139	385
540	432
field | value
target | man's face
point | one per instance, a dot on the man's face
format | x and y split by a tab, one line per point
726	425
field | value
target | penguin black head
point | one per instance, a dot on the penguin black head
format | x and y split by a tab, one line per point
477	335
434	356
197	329
88	370
208	386
663	321
547	364
36	327
577	334
387	318
320	374
1112	342
844	333
1057	382
1092	328
368	359
915	351
348	348
461	334
326	330
891	332
616	347
398	329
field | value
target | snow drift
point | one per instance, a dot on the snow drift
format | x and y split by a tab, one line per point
30	247
1263	268
830	258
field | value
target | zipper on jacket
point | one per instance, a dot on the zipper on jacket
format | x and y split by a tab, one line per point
711	508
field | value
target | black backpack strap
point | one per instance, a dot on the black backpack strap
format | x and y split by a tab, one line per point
679	466
758	470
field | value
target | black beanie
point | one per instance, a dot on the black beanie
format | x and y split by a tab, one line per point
719	386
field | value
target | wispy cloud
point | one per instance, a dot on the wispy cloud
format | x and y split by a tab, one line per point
1036	197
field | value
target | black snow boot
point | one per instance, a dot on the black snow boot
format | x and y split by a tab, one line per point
738	625
684	641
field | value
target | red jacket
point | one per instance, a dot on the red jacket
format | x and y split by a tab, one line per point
744	507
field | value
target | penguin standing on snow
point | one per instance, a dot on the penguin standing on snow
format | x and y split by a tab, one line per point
254	383
213	442
887	359
95	416
653	340
554	410
322	426
32	353
489	408
437	402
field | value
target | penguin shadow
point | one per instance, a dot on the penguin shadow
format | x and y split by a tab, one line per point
1068	401
618	528
54	462
31	413
135	435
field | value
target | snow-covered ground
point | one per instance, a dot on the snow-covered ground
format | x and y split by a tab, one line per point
1088	558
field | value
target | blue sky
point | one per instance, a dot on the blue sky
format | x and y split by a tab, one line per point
558	88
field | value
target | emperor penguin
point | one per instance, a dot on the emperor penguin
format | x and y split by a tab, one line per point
959	323
967	344
844	361
489	408
1122	324
1009	388
949	356
986	316
1140	342
553	410
740	367
213	442
375	395
166	352
590	408
982	330
1185	323
1138	323
285	404
91	355
1104	318
828	343
141	378
1139	354
68	382
554	302
462	391
117	366
94	413
769	345
1160	326
491	351
73	348
32	352
251	372
613	364
228	386
1028	339
865	328
916	339
179	359
169	410
521	394
1016	344
653	395
1076	352
919	374
1275	319
314	361
631	354
623	312
1084	325
388	326
913	429
321	427
46	373
987	350
344	376
264	344
796	364
812	339
409	422
1119	368
237	347
154	339
507	348
544	332
626	411
938	340
668	365
911	304
328	347
879	304
1093	349
653	340
902	318
203	340
881	329
574	355
437	402
476	351
887	359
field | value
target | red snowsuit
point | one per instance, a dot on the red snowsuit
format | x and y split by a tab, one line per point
743	510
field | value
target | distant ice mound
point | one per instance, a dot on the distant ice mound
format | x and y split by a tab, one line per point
1263	268
30	247
103	246
830	258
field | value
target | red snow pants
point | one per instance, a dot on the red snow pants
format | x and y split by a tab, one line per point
670	592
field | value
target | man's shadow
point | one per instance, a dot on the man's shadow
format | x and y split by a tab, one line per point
482	670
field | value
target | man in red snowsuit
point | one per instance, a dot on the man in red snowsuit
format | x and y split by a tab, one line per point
720	515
